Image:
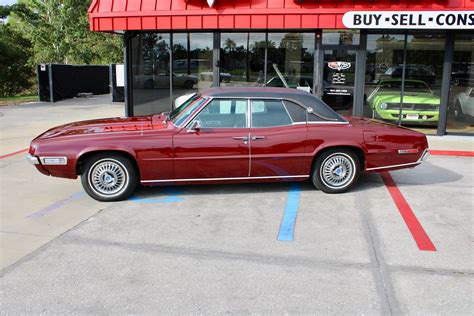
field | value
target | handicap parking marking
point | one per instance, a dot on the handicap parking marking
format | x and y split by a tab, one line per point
170	198
420	236
56	205
288	222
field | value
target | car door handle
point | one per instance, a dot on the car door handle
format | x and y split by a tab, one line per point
258	137
244	138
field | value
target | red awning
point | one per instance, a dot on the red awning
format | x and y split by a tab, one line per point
123	15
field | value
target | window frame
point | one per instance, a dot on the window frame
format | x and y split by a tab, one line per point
271	100
210	100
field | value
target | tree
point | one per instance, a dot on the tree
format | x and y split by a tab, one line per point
15	70
59	32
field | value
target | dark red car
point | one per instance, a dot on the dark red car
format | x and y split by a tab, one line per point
226	135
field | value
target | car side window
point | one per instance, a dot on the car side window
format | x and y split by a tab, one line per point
224	113
297	113
268	113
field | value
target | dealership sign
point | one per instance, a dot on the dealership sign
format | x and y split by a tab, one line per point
455	20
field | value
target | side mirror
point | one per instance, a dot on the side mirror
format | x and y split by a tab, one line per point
195	127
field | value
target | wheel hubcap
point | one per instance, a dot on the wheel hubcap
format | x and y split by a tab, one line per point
108	177
337	171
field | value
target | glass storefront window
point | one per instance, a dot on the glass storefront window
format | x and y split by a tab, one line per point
150	61
341	37
461	89
291	55
192	62
338	79
242	57
420	98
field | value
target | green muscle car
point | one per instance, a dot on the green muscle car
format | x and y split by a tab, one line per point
420	105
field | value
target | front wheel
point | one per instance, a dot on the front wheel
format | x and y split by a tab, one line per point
336	170
109	177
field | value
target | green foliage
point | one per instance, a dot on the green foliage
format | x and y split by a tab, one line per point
49	31
59	32
15	70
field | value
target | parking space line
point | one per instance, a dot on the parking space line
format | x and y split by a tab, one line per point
14	153
56	205
451	153
419	235
287	226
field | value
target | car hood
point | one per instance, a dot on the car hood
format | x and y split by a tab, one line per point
107	125
420	98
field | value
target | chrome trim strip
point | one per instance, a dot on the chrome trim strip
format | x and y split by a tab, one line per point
53	164
32	159
327	122
224	179
394	166
423	157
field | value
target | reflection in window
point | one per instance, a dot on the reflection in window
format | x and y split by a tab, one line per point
341	37
192	62
420	101
242	58
461	89
292	55
150	57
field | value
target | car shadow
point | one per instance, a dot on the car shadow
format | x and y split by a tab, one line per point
427	174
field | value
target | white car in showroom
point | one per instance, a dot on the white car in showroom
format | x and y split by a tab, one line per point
464	104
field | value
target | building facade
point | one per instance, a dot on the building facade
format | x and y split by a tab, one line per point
402	61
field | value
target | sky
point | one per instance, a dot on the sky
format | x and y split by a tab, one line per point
7	2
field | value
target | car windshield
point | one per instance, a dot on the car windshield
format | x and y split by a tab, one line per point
410	87
180	114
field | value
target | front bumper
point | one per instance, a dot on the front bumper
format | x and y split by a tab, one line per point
422	116
33	159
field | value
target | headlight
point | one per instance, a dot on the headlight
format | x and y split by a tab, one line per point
383	106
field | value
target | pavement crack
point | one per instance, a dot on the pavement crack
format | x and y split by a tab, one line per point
212	254
381	272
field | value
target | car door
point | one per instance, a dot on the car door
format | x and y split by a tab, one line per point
278	137
219	148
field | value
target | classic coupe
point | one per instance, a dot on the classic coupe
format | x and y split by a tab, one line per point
420	105
226	135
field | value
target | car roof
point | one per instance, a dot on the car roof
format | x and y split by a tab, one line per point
303	98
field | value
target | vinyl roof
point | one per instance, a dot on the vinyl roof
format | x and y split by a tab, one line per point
301	97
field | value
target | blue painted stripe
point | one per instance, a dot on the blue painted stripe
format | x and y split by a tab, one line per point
56	205
287	226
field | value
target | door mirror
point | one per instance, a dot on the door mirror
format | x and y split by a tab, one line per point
195	127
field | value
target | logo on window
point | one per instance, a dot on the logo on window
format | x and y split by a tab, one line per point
210	3
339	65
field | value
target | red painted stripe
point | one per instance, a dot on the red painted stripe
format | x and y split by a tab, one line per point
416	230
451	153
14	153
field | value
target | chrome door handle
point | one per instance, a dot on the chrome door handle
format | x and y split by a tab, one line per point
244	138
258	137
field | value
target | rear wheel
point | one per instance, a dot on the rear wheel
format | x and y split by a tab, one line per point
188	84
109	177
336	170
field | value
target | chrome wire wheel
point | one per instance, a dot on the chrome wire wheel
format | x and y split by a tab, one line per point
108	177
337	171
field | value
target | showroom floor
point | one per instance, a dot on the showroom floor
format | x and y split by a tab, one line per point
386	247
